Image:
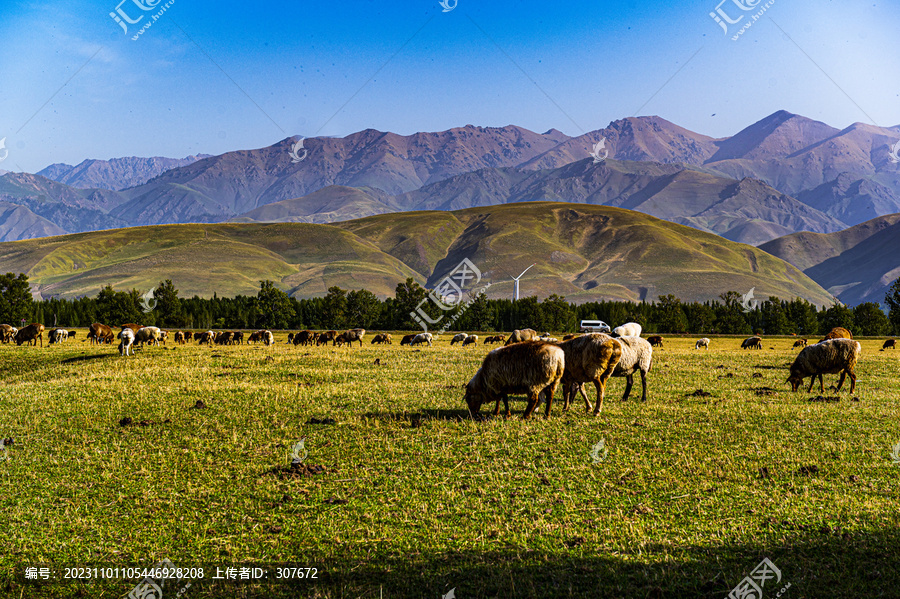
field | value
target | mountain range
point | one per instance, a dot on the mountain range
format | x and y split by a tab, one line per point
583	252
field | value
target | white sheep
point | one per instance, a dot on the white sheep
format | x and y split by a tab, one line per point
422	338
458	338
631	329
127	343
702	343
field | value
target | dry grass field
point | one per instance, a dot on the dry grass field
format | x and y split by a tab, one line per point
402	494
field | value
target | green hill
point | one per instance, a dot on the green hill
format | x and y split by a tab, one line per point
583	252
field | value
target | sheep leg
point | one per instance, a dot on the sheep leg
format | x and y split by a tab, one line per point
600	386
852	381
629	381
842	379
533	399
550	390
643	386
587	403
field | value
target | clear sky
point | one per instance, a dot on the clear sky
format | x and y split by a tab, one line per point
210	77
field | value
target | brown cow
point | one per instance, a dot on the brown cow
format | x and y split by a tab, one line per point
31	333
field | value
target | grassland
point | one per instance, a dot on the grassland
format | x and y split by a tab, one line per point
693	493
583	252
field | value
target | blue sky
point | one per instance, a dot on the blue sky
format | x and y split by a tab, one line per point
210	77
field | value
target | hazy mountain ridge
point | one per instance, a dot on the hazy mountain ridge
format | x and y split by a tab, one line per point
115	174
581	251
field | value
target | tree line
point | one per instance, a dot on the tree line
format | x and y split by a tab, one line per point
272	308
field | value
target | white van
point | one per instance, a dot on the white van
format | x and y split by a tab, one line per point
593	326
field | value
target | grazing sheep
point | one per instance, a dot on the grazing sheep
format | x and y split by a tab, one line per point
702	343
224	338
237	338
268	337
838	333
325	337
72	334
531	367
751	343
149	335
889	344
471	340
589	358
655	341
831	356
126	345
382	338
801	342
407	339
520	335
637	355
188	336
179	337
302	338
631	329
100	333
30	334
354	335
57	336
7	332
458	338
491	339
205	338
291	338
422	338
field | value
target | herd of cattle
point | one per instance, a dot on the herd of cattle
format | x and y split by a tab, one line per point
530	363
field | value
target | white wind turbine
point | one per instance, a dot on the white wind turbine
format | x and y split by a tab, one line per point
516	279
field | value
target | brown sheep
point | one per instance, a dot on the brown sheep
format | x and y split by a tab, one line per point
520	335
72	334
237	338
801	342
407	339
352	335
327	336
7	332
838	333
889	344
31	334
100	333
471	340
751	343
255	337
303	338
831	356
179	337
134	327
570	336
382	338
531	367
291	338
205	338
589	358
188	336
224	338
655	341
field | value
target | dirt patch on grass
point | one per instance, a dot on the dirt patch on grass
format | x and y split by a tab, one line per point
300	470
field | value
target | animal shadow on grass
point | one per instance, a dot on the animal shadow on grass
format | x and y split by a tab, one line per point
830	561
415	419
87	358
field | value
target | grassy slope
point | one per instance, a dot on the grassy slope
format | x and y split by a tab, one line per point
582	252
499	508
